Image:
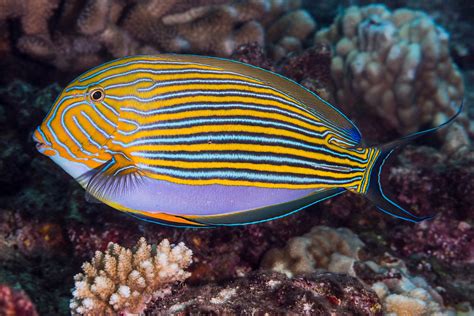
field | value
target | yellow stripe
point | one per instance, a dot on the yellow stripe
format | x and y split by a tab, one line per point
133	104
368	170
248	183
229	113
263	92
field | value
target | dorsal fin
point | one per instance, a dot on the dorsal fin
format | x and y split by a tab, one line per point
311	101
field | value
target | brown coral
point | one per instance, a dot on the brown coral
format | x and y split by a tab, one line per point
85	33
212	28
395	64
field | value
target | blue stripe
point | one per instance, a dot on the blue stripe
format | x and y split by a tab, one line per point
127	84
239	175
218	106
233	138
91	121
89	137
205	81
110	108
197	156
48	124
135	124
102	115
172	95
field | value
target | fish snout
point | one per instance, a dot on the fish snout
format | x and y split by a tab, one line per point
41	143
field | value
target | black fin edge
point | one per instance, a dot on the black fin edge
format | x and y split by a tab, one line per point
375	192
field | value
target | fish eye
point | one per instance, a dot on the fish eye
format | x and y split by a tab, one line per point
97	94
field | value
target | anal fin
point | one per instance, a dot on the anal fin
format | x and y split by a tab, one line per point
266	213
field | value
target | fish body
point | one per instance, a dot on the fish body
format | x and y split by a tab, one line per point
199	141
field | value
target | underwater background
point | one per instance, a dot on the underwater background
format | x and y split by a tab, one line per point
393	67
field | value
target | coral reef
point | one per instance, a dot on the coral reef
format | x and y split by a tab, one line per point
273	293
396	64
122	280
86	239
424	180
337	250
47	229
14	303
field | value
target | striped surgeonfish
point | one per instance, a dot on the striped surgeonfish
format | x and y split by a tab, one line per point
199	141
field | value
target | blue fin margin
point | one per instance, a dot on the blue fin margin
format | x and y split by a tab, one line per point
375	192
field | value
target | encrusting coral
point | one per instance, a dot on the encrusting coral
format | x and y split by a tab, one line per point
122	280
323	247
401	292
396	64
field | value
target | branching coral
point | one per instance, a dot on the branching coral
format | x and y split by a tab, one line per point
397	64
122	280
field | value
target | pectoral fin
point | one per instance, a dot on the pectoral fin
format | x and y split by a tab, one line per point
115	177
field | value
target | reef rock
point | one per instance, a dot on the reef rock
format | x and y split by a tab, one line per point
274	293
337	250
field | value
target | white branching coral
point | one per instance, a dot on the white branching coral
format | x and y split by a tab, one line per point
123	280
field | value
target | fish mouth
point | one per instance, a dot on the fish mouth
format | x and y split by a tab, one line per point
41	145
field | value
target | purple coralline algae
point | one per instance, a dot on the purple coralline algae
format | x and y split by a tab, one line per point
15	303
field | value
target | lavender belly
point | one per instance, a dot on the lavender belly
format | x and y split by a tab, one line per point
159	196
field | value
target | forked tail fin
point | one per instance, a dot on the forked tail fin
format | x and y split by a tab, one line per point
374	191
